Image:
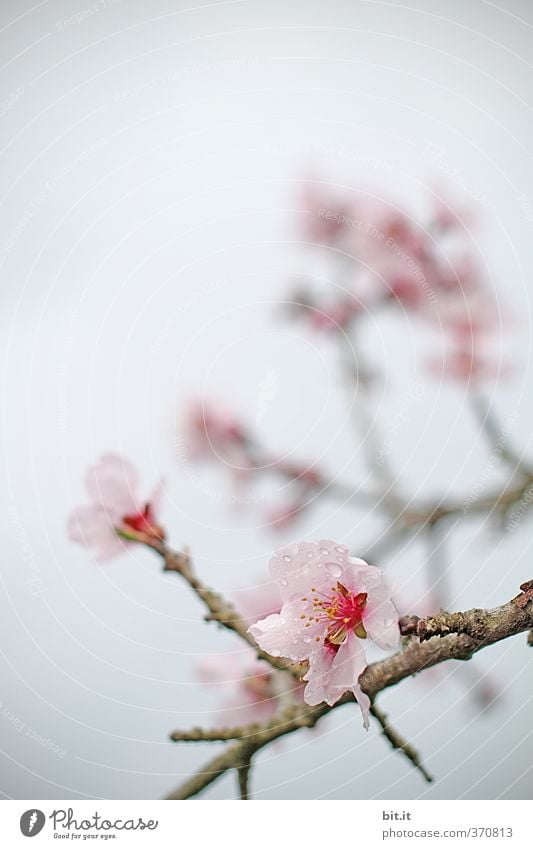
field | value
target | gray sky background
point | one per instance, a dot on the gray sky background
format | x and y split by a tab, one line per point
151	155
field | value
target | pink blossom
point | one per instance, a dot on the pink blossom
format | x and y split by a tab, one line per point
331	603
112	485
470	317
255	689
210	428
328	214
397	257
282	517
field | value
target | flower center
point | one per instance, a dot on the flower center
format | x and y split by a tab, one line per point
143	522
342	611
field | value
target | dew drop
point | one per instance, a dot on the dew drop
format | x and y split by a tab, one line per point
287	558
284	582
334	570
307	639
324	551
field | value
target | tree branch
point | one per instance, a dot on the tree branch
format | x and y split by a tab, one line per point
243	773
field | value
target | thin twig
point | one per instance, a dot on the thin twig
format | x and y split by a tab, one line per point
243	773
497	435
397	741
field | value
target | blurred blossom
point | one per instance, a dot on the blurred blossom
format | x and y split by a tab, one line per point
209	429
325	314
467	365
255	691
112	484
331	603
325	212
283	516
427	266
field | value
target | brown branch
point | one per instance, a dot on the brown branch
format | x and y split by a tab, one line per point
397	742
243	774
290	719
215	735
479	628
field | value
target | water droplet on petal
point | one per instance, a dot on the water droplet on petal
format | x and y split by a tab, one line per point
324	551
284	582
287	558
307	639
334	570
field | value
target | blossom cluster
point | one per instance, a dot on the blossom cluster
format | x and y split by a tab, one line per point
429	269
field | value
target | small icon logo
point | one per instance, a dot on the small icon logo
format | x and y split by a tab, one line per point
32	822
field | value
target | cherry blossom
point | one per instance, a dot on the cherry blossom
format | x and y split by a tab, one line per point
115	509
332	603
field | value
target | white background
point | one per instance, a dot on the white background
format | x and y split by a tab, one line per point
151	158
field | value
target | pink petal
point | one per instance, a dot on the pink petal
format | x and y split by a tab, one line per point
285	634
113	482
331	675
348	665
317	676
296	568
380	618
156	499
91	526
360	577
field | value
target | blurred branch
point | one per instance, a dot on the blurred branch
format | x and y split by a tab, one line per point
496	434
216	735
456	636
498	501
